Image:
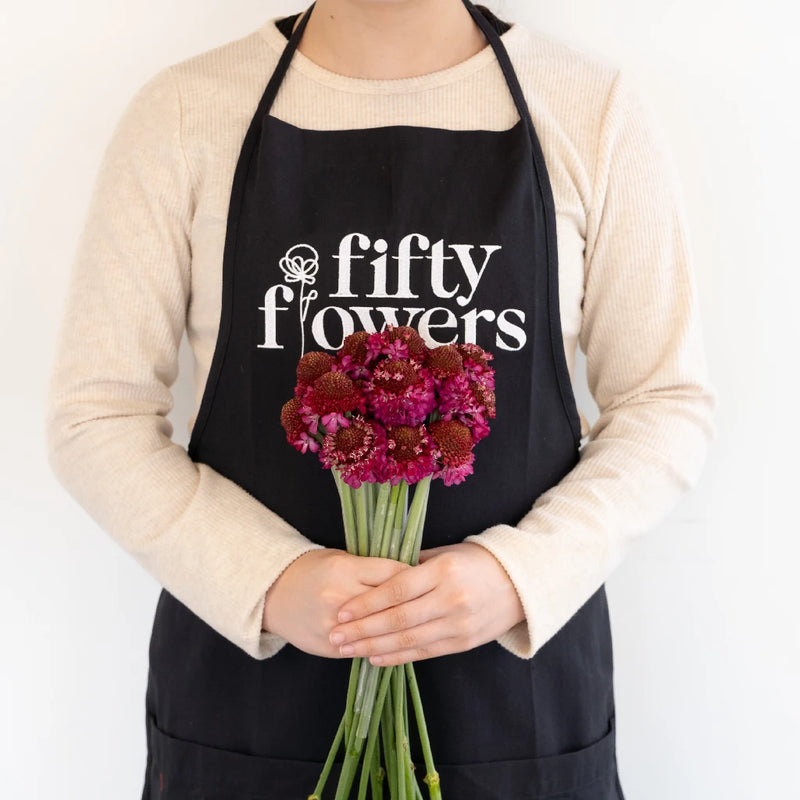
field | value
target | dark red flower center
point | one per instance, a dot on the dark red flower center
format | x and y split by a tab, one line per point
406	441
394	375
351	440
290	417
312	365
355	346
453	438
474	352
334	386
444	360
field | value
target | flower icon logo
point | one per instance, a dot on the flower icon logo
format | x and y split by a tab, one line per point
300	265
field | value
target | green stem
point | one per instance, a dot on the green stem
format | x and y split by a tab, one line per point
361	520
387	737
379	520
388	527
418	538
399	520
410	776
362	716
352	754
358	700
377	775
367	709
326	769
415	514
373	732
355	702
369	491
432	776
352	684
398	693
348	518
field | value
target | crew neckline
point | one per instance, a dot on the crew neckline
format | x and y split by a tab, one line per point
415	83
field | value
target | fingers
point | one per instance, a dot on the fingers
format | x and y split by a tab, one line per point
444	647
405	585
391	620
373	571
411	644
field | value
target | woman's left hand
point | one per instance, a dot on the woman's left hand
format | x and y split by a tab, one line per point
456	598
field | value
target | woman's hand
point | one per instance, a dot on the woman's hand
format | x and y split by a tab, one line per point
456	598
301	605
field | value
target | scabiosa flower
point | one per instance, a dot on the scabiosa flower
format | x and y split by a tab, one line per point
476	363
444	362
409	454
397	342
486	398
468	402
455	394
475	421
352	355
358	451
453	441
310	367
297	432
332	392
400	392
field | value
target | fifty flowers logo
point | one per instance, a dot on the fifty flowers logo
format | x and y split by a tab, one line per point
369	284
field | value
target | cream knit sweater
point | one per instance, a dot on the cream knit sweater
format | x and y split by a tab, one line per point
149	265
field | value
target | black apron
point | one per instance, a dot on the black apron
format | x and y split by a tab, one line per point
454	233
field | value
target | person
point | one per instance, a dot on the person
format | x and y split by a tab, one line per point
445	169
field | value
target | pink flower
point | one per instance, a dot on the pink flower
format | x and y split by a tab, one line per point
333	421
357	451
298	433
352	356
485	398
409	454
306	442
455	394
364	409
332	392
468	402
476	364
453	442
311	420
400	392
396	342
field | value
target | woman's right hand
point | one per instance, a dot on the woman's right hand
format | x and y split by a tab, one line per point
303	603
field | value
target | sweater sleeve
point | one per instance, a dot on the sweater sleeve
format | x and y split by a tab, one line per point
205	539
646	370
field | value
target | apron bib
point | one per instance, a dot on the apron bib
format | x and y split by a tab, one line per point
453	233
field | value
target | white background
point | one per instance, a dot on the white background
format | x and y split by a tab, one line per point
706	637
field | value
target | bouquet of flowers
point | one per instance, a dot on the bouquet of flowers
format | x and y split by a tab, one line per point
384	413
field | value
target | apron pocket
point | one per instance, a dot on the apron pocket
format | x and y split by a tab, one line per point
586	774
179	769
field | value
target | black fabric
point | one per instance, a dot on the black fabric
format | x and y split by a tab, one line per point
452	232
